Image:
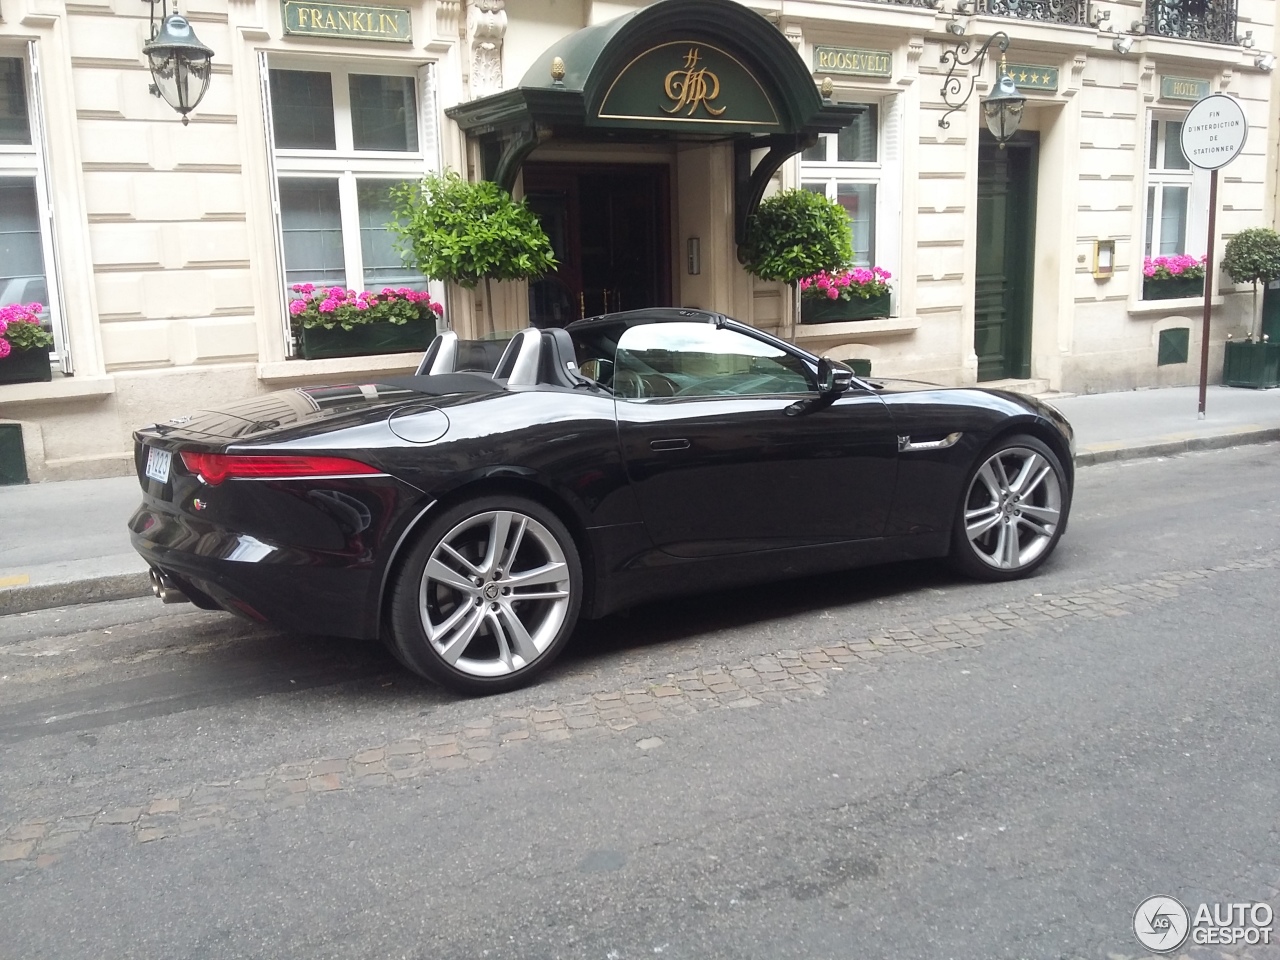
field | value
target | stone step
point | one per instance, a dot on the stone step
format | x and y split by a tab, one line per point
1033	388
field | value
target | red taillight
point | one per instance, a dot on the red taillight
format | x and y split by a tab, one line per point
213	468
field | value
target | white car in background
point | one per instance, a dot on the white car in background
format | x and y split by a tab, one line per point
24	290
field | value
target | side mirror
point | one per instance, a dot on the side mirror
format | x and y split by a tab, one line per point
834	377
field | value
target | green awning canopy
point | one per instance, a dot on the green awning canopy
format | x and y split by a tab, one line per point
689	70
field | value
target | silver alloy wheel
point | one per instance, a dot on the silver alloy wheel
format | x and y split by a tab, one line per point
1013	508
494	593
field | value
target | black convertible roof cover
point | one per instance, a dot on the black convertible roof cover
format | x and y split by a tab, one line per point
630	318
445	384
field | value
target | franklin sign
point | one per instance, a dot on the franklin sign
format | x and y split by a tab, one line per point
1214	132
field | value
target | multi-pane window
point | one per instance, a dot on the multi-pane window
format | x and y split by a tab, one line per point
846	167
26	250
342	138
1212	20
1169	181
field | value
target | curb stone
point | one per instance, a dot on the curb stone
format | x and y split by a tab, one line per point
1172	446
43	596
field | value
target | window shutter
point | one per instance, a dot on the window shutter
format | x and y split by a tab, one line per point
429	142
889	200
53	281
273	182
428	117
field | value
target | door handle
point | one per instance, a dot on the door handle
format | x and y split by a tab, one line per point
675	443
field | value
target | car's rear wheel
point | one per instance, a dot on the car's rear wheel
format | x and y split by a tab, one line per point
1013	511
488	596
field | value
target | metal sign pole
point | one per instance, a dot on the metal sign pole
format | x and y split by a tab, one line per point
1213	135
1208	291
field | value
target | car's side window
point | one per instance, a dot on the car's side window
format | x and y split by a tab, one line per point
702	360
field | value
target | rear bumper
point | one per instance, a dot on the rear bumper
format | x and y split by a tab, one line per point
323	580
302	597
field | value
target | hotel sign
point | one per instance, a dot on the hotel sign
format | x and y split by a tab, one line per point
1183	88
347	21
1027	76
853	62
690	84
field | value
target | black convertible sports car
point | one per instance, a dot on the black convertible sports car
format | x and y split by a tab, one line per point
470	517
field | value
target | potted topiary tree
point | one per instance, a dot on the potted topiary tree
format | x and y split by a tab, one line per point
462	232
24	344
797	234
1252	255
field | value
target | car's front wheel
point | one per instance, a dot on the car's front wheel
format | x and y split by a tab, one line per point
1013	511
488	596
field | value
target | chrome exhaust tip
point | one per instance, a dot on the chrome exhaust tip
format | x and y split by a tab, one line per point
165	589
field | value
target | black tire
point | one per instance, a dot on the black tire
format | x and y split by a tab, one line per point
996	510
468	621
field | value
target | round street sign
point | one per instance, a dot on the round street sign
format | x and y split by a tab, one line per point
1214	132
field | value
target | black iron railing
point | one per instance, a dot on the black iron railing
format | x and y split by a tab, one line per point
1211	20
928	4
1046	11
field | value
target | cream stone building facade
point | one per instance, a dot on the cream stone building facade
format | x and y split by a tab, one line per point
165	251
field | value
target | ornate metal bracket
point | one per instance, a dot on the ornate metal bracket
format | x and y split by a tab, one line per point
953	84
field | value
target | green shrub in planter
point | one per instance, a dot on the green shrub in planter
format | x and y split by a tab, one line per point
1253	255
796	234
462	232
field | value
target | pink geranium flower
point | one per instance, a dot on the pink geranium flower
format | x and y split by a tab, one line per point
1174	265
855	283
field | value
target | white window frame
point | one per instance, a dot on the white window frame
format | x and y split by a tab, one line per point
346	164
885	173
23	160
1194	179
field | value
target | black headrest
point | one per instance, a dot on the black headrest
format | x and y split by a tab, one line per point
558	362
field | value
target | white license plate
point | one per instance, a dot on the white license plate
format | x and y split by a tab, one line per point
158	462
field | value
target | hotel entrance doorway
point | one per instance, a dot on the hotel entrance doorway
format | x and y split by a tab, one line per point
609	228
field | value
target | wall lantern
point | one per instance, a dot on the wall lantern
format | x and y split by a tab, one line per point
180	64
1002	108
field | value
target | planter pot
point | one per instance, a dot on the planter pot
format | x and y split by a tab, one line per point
26	366
317	343
1176	288
837	311
1251	363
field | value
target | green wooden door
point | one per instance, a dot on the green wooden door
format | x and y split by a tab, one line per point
1006	252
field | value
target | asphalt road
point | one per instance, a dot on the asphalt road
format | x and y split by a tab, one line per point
891	763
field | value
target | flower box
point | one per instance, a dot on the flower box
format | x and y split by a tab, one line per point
1173	288
367	339
26	366
824	310
1251	363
